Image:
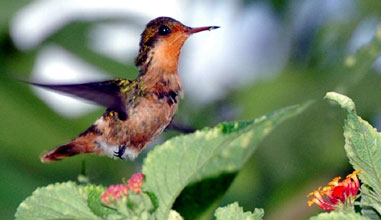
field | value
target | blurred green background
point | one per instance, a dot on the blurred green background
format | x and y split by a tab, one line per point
328	48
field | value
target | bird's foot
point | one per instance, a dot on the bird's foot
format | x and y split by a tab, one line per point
120	152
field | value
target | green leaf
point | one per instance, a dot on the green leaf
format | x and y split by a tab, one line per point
345	102
139	205
56	201
339	216
234	212
363	147
369	205
205	155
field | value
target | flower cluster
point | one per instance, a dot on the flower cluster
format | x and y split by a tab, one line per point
338	194
115	193
135	182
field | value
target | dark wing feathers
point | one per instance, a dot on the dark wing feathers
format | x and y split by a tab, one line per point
106	93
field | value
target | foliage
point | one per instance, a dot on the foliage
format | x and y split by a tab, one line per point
201	161
234	212
56	201
338	216
198	157
181	161
294	156
363	147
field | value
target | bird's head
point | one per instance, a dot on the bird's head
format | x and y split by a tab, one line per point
161	43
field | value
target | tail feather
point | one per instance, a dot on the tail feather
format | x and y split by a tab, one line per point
60	153
84	143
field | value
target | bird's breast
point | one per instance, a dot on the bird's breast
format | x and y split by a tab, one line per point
150	116
147	118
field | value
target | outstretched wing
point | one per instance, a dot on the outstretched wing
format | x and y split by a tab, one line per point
106	93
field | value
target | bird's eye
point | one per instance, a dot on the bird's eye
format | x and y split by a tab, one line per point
164	30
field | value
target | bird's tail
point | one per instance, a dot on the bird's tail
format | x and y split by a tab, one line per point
84	143
61	152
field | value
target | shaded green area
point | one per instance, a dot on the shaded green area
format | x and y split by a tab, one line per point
294	156
198	197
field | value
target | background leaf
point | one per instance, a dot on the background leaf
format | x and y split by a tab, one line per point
360	63
299	157
363	147
205	154
234	212
56	201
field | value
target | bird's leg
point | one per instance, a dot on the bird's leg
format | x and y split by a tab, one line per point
120	152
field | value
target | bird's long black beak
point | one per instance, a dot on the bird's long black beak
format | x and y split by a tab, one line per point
199	29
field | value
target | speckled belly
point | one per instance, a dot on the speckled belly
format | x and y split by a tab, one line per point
146	119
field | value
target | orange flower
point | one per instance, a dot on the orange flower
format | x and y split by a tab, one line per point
114	193
337	193
135	182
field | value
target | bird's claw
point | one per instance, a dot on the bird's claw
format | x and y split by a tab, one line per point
120	152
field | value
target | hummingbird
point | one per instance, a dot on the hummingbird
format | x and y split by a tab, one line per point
136	110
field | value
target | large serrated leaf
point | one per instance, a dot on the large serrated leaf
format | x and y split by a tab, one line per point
205	154
363	147
234	212
56	201
339	216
